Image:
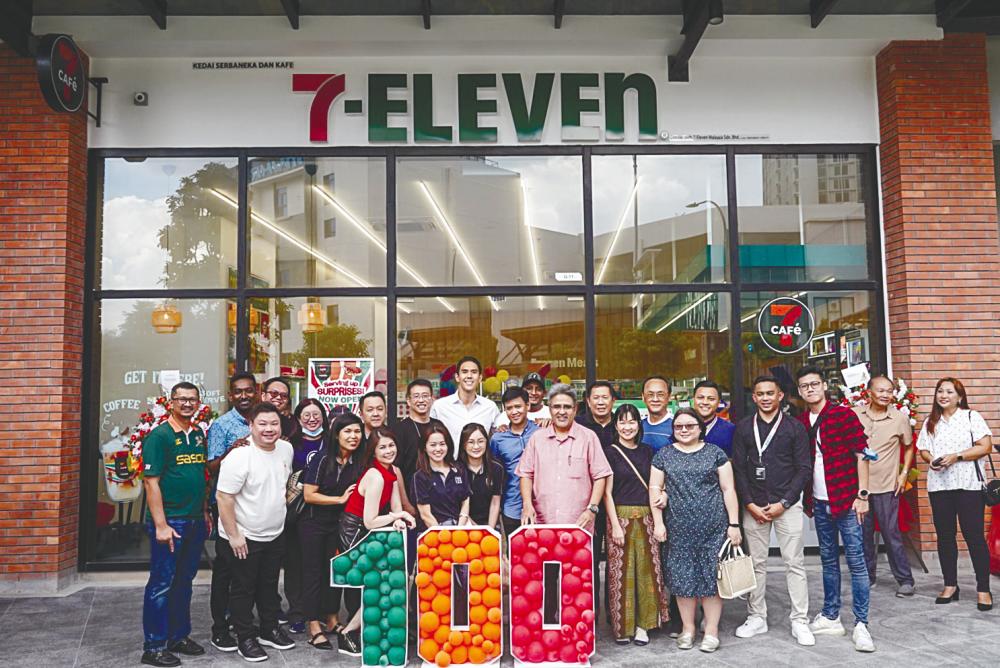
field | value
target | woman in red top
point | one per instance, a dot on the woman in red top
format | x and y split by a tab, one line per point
375	503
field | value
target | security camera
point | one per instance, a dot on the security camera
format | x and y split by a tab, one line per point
140	98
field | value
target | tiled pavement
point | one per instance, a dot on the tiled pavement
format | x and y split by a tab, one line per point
102	626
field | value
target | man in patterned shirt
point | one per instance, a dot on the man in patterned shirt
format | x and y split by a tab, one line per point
838	501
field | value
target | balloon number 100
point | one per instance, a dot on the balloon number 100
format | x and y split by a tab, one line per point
459	588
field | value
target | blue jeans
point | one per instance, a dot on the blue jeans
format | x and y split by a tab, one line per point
166	606
827	530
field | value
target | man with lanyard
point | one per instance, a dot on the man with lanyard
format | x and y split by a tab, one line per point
838	501
718	431
229	431
173	456
658	426
772	466
507	446
466	405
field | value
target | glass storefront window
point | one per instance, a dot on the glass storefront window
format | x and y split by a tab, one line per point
132	358
683	336
846	334
317	222
516	334
497	220
802	217
660	218
163	225
283	337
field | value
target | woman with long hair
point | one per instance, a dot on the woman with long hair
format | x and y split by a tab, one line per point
633	552
485	475
952	441
702	512
308	431
374	503
440	486
329	480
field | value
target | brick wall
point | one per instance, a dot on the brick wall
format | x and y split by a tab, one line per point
940	221
43	177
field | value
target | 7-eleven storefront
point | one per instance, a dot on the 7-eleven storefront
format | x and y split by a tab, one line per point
555	206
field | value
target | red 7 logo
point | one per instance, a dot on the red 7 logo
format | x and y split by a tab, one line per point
327	87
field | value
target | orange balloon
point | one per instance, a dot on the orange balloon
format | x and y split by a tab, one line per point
459	555
442	659
491	631
422	580
475	598
490	545
441	604
491	564
429	649
455	638
444	535
477	582
459	538
446	565
433	552
425	606
493	580
425	565
491	598
476	566
445	551
441	579
447	648
494	615
429	622
437	562
459	655
466	638
474	629
477	639
474	550
428	592
475	536
477	655
441	635
430	540
488	646
477	614
422	550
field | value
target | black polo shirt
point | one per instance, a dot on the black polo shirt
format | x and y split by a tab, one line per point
605	434
332	478
444	494
481	492
787	462
408	436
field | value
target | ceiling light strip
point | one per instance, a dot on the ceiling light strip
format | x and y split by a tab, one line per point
683	313
618	230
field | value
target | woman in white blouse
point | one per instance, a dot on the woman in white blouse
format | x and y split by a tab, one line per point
952	441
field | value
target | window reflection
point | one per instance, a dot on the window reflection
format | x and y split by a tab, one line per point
660	219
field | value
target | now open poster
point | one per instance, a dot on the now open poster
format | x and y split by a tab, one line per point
340	382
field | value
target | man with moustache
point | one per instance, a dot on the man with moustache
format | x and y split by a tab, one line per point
466	405
718	431
771	467
889	434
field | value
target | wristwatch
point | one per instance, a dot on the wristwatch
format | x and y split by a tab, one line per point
960	458
863	494
786	504
593	508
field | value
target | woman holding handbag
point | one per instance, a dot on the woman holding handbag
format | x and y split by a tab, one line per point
702	513
633	553
952	440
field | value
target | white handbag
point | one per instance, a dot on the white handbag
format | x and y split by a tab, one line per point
735	571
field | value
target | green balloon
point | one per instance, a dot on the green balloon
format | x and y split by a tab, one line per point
372	579
385	588
382	564
397	617
398	596
397	637
365	564
397	656
354	555
371	597
371	615
397	579
384	623
383	660
371	635
341	565
371	655
374	550
385	603
354	577
396	539
381	536
339	578
383	644
397	557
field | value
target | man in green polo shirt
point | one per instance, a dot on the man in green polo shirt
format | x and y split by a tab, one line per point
174	457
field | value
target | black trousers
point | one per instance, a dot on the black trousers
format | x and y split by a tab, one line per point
320	542
255	582
509	524
968	507
600	528
292	567
222	579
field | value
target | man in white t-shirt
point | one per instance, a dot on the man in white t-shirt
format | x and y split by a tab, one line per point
251	499
466	405
538	412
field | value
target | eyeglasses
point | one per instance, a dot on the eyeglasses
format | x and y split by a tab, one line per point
274	394
815	385
185	400
685	427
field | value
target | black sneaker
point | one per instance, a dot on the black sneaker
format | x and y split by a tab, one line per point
162	658
276	639
224	642
282	617
349	643
187	647
251	650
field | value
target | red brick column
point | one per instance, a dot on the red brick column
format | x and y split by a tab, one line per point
43	194
940	224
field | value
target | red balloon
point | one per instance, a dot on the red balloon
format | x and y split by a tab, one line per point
562	553
534	620
531	560
568	654
519	573
575	570
581	628
585	576
546	537
530	534
533	590
583	658
583	558
572	584
543	552
589	638
551	639
520	606
552	656
517	544
566	538
489	372
570	615
581	537
588	615
581	647
535	653
520	636
567	600
584	601
567	630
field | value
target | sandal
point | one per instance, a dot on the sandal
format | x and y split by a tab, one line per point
325	644
336	629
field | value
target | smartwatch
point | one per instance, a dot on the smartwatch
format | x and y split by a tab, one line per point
593	508
863	494
960	458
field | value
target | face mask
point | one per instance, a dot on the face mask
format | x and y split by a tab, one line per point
312	433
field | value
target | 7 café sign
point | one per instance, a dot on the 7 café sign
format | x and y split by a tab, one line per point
59	62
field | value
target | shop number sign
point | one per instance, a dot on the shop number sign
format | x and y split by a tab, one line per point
786	325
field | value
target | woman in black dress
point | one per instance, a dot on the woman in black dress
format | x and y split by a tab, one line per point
485	475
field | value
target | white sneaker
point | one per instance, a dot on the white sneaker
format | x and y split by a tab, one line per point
802	634
821	626
685	641
753	626
711	643
862	639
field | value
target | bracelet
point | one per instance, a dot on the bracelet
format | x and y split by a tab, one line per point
734	526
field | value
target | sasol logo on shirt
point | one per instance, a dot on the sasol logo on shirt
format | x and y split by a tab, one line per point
197	458
786	325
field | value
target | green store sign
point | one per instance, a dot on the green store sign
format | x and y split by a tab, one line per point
528	108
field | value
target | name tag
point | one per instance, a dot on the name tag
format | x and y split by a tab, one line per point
760	473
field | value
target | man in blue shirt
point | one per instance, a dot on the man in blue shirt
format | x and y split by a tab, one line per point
229	428
658	427
718	431
507	447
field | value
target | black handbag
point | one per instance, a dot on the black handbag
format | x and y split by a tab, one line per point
991	489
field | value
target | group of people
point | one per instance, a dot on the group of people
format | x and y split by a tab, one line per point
289	489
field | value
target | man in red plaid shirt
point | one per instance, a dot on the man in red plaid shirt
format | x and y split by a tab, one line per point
838	502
